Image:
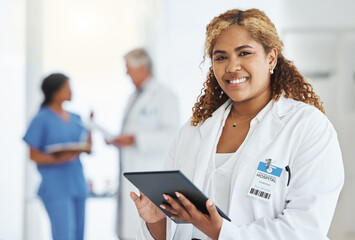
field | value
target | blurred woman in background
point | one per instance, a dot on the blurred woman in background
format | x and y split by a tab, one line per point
63	189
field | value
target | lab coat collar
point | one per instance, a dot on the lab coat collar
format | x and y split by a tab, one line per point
263	135
283	106
280	108
215	120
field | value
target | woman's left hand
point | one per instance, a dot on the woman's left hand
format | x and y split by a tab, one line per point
209	224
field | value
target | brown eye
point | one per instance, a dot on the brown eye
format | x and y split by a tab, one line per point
219	58
244	53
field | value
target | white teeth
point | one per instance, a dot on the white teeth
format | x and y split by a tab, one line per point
241	80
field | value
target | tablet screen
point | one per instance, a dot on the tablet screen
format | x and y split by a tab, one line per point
156	183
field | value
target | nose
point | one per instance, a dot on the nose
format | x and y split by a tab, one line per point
233	66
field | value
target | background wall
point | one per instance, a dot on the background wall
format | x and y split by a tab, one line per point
87	39
322	43
180	42
12	123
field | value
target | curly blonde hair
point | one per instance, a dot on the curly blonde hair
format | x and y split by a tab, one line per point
286	78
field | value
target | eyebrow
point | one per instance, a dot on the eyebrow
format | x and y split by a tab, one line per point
236	49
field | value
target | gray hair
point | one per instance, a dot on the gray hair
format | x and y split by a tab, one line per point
138	57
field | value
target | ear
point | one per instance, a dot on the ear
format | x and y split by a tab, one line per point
272	58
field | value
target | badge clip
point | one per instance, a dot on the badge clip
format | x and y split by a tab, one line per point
268	162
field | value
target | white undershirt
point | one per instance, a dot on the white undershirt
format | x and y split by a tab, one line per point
218	183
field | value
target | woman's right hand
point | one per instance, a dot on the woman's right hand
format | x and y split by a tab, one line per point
147	209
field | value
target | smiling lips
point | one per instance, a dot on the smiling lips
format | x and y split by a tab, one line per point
238	80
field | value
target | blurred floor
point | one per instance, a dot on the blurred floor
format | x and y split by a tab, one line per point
100	220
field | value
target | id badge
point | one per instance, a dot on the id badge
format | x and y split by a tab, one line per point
265	180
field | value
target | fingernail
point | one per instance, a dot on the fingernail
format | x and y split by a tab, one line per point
166	197
209	203
134	197
177	194
162	206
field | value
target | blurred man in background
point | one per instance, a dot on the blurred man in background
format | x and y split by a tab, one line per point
150	123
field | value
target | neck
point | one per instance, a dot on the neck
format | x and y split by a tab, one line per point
143	81
56	106
250	107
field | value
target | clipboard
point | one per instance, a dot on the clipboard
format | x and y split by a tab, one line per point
71	146
154	184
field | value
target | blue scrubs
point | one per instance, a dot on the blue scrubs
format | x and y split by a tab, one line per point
63	189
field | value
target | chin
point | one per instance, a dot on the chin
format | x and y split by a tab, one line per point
238	98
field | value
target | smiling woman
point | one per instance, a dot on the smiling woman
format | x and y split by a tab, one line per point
256	122
259	30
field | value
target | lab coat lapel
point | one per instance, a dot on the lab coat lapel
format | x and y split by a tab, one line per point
268	129
209	137
264	134
140	103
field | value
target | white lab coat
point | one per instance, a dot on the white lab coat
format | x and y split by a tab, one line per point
154	121
293	134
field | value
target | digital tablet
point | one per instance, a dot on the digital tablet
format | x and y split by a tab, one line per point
155	184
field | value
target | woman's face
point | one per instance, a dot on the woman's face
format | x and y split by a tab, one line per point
63	93
241	66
